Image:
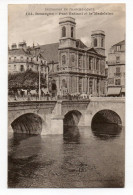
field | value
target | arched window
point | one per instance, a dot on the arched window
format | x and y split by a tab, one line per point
90	86
72	32
90	63
102	43
97	64
73	58
95	42
63	59
64	84
63	31
53	86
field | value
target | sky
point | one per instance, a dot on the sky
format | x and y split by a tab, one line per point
43	29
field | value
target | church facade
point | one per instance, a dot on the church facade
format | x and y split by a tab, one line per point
79	69
69	65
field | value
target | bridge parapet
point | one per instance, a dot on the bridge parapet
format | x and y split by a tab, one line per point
80	105
108	99
53	112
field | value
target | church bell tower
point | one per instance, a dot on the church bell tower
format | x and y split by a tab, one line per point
67	32
98	41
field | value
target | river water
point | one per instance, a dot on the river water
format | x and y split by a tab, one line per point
81	158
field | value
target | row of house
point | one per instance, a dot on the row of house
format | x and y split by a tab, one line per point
71	66
116	69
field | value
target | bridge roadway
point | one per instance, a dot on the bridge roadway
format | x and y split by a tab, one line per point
46	117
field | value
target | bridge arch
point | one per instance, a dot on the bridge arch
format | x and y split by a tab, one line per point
72	118
106	116
96	105
70	126
28	123
106	124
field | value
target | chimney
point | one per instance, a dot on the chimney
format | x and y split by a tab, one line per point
14	46
22	45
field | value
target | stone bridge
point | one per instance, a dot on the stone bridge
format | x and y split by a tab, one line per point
47	117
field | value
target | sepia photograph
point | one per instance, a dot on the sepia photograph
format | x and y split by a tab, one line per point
66	95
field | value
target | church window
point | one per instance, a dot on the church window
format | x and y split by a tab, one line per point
97	64
54	87
80	61
80	84
101	42
63	59
90	63
98	85
90	86
72	32
63	31
64	84
95	42
73	58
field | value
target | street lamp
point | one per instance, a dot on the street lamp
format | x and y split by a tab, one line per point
39	55
39	59
47	75
40	78
39	82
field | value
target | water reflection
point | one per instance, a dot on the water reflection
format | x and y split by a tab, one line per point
23	150
71	134
106	131
18	138
77	159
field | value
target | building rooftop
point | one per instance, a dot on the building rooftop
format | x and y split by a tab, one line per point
120	43
80	44
67	19
18	52
49	52
97	32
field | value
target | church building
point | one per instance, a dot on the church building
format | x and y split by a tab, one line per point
73	67
79	69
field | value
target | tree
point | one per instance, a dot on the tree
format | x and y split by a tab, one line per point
27	79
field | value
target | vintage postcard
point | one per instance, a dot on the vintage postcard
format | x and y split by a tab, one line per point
66	95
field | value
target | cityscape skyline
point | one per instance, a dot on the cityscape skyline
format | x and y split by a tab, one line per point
45	29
